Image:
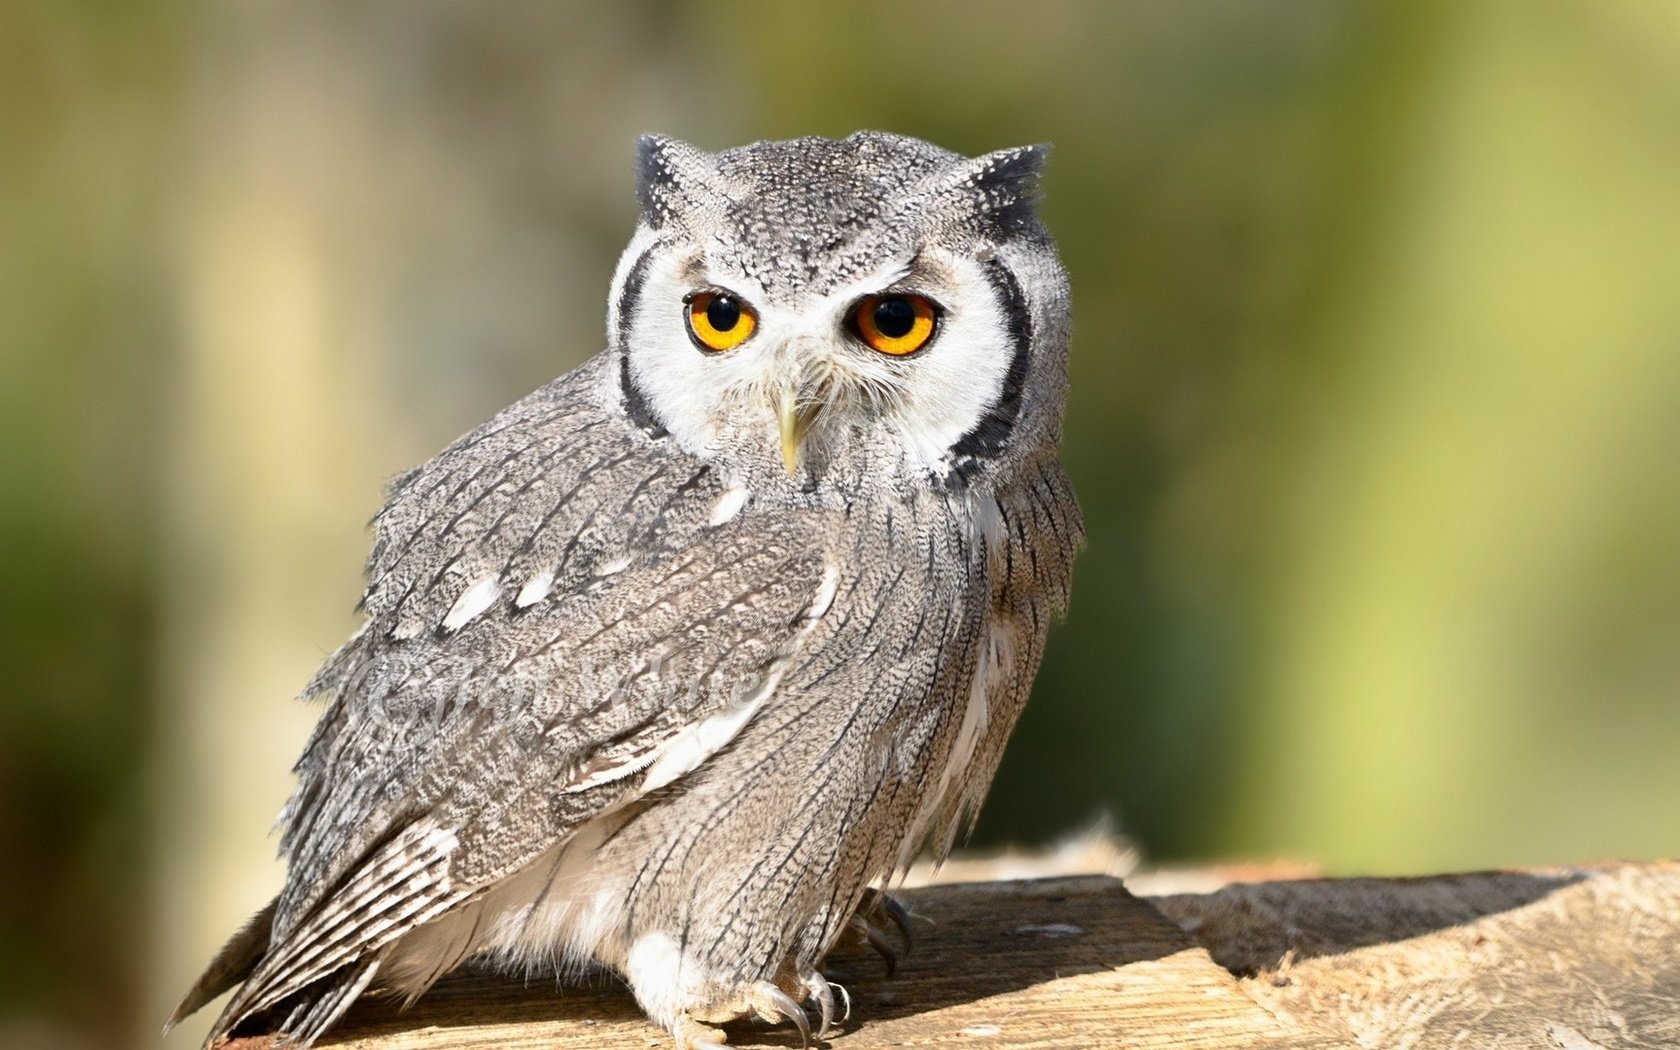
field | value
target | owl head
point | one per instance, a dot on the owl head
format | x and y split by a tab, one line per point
835	317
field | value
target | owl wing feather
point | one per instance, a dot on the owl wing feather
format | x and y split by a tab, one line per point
555	625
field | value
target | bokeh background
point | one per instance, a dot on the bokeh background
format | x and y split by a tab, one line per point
1375	411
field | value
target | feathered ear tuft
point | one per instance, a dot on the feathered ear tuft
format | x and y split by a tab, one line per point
1005	184
670	177
1013	172
997	188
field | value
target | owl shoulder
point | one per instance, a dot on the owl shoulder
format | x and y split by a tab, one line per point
551	477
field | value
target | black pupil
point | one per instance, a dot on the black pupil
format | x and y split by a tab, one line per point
723	313
894	318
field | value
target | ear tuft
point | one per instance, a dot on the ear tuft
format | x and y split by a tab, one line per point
1005	184
996	190
1013	170
668	177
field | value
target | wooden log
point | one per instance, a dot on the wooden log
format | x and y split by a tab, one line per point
1576	958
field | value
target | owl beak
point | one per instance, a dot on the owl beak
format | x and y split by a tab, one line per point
793	422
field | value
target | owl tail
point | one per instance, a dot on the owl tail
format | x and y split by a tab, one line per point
310	1012
238	957
305	1015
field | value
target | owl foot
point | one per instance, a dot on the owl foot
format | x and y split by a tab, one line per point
760	999
692	1035
873	912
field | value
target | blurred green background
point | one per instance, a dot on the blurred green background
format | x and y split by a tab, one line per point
1375	411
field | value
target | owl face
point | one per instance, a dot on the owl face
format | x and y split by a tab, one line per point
868	312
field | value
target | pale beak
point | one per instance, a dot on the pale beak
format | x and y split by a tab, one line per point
793	422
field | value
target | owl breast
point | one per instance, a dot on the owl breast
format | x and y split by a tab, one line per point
883	726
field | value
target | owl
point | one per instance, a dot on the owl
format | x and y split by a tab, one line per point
666	667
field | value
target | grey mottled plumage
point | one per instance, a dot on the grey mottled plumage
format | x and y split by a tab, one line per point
665	664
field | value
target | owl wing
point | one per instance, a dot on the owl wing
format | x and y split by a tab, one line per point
564	613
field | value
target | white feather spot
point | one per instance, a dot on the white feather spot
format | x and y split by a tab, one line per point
729	504
705	738
684	752
666	979
535	589
479	597
986	519
823	600
617	565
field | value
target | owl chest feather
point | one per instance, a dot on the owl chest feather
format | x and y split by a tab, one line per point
1023	543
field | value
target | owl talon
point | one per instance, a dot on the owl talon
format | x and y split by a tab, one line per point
901	918
760	999
821	991
875	903
888	951
774	1005
866	928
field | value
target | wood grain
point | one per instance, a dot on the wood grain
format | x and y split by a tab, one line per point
1577	958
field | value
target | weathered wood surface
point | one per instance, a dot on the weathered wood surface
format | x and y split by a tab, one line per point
1569	958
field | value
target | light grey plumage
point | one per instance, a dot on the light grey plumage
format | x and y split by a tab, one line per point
667	662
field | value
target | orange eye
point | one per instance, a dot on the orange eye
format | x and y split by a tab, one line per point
719	321
895	324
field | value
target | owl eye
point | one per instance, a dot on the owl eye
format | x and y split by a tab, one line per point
719	321
895	324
